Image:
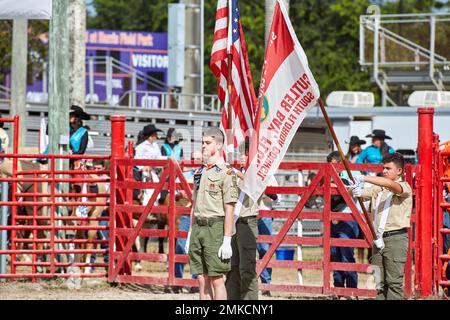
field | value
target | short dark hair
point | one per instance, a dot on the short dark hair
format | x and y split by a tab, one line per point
334	155
396	158
97	162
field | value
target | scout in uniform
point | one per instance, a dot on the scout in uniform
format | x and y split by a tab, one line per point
242	280
209	239
391	200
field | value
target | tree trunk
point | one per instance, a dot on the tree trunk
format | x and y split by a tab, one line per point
77	25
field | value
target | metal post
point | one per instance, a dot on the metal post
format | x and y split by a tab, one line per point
432	51
202	54
425	216
108	79
118	136
362	58
45	80
133	89
270	8
3	233
91	80
19	74
300	233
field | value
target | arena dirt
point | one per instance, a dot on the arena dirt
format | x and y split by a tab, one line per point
99	289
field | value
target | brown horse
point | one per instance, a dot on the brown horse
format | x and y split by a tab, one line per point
6	171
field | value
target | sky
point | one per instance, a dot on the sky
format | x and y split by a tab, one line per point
90	8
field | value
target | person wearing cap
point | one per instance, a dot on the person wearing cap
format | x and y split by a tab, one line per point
354	148
171	146
214	196
148	147
374	154
79	135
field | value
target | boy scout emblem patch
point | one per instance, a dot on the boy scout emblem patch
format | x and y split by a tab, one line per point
218	169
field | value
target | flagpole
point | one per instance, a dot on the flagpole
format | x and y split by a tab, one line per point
229	109
344	160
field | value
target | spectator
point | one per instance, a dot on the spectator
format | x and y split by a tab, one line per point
342	230
4	139
354	148
79	135
171	146
147	146
374	153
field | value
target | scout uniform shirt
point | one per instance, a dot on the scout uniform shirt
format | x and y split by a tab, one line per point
214	186
251	208
400	208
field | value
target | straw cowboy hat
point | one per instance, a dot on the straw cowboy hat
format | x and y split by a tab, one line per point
378	134
79	113
354	140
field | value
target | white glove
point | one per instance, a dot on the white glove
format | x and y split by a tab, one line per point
186	246
379	243
357	192
225	251
359	182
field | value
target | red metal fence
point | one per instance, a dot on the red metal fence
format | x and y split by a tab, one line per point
124	233
52	253
439	230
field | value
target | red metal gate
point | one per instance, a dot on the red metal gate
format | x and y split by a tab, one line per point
327	174
439	230
124	233
45	239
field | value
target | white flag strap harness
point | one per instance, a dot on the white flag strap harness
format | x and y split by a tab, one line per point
384	214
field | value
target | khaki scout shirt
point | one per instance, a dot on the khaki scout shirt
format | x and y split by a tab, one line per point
400	210
251	208
213	188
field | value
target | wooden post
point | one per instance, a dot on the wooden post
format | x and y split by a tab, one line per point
19	75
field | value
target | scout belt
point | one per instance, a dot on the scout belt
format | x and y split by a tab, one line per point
394	232
208	221
246	220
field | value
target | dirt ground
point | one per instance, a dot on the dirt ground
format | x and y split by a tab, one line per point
99	289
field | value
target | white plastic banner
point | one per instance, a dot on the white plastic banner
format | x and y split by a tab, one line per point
25	9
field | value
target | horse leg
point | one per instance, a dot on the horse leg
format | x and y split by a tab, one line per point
91	235
139	247
161	225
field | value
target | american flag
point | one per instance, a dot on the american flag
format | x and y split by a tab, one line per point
229	38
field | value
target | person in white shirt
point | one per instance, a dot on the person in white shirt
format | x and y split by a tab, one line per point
148	148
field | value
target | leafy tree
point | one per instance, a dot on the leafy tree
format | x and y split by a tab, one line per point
37	48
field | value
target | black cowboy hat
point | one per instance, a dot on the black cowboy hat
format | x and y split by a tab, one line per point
79	113
354	140
170	132
149	130
378	134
